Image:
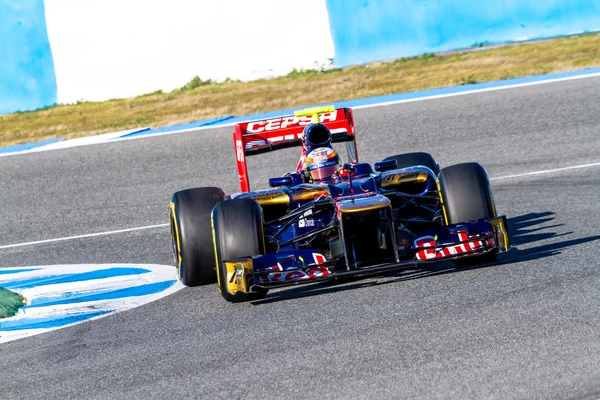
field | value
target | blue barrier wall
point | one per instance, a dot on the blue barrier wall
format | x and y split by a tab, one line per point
27	79
372	30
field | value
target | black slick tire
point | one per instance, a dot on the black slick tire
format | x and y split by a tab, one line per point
466	195
417	158
191	234
239	232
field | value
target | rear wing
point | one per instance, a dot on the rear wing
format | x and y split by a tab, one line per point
261	136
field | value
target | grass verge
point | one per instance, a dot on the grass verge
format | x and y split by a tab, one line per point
10	303
203	99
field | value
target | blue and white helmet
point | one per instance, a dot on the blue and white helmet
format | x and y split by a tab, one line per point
322	164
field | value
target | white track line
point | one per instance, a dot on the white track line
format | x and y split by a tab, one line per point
10	246
474	91
547	171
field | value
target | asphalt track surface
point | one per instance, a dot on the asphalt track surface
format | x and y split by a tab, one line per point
524	327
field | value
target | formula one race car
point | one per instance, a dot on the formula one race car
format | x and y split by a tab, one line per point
330	219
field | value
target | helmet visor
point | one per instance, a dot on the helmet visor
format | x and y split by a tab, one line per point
323	173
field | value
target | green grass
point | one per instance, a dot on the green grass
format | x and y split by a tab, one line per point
195	83
10	303
481	44
203	99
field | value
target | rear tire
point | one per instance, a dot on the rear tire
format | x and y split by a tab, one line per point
191	234
238	228
466	194
418	158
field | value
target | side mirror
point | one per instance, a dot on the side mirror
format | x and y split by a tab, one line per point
281	181
386	165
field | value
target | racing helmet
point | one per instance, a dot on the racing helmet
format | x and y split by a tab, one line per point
322	163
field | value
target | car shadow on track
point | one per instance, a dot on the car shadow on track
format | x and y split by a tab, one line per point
524	230
528	229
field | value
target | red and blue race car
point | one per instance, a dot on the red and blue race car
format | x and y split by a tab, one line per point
330	219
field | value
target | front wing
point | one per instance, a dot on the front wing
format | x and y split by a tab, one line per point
451	242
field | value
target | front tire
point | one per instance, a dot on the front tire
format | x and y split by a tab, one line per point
418	158
466	195
239	232
191	235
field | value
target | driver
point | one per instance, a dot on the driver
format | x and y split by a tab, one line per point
321	165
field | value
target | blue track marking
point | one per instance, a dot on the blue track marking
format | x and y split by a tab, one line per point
48	322
16	271
28	146
100	295
63	295
67	278
135	133
191	125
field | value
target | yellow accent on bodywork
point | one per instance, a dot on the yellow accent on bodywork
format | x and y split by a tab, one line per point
314	112
214	236
364	204
398	178
177	238
437	182
308	192
499	225
239	275
271	197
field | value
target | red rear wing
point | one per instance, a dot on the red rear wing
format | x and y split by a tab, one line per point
262	136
